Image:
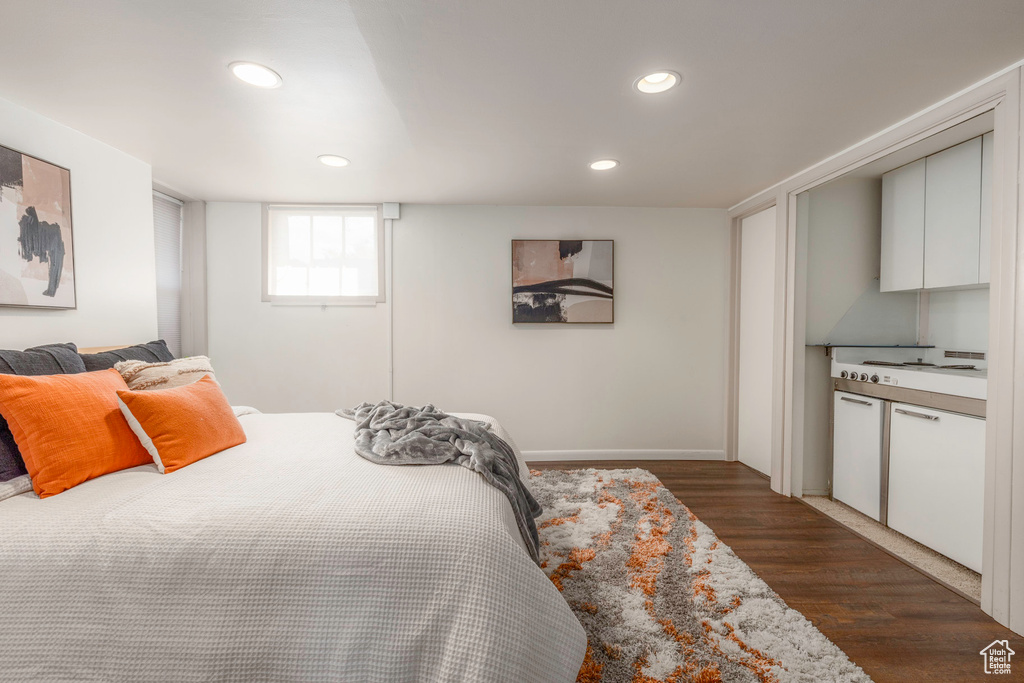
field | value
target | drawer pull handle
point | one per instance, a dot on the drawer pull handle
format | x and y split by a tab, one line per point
911	413
856	400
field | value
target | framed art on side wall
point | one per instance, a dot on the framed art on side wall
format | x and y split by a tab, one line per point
37	255
563	281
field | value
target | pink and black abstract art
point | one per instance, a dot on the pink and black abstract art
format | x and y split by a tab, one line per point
37	264
562	281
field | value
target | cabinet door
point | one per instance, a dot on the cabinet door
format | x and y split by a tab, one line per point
952	216
985	243
937	480
857	453
903	203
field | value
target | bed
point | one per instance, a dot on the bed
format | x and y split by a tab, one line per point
288	558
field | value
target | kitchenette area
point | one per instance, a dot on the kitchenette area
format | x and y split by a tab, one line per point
896	326
909	445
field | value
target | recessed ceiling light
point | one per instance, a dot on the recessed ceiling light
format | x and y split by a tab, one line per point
660	81
604	164
332	160
256	74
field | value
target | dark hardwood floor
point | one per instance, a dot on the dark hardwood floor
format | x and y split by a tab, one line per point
893	621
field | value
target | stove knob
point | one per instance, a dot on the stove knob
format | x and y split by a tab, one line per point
874	378
863	377
844	374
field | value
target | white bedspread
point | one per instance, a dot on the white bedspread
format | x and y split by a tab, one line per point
288	558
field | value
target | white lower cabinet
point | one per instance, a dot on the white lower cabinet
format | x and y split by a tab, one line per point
937	480
857	453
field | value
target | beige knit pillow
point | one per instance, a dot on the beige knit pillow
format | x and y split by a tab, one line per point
142	376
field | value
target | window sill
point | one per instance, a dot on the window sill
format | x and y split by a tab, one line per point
357	301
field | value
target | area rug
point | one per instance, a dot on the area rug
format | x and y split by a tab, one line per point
660	597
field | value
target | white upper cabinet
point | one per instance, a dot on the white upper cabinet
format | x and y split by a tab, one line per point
903	228
937	218
985	250
952	216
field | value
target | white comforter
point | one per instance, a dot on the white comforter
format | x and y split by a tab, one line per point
288	558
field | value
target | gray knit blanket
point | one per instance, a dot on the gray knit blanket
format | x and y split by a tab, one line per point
392	434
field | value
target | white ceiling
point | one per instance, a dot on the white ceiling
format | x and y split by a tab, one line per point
481	101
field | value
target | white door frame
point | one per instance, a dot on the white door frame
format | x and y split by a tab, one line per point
732	393
733	378
1001	93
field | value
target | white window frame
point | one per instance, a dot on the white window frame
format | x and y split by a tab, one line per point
176	341
313	300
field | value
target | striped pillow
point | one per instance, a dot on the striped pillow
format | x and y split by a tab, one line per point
142	376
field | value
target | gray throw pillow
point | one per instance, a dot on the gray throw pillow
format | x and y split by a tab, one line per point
151	352
52	359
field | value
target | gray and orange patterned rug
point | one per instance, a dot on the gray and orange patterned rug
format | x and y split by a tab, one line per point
661	598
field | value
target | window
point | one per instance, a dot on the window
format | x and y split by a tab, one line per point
167	218
323	254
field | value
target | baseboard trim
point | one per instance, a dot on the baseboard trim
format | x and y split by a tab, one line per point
648	454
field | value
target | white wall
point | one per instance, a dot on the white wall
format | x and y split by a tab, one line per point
817	465
958	319
283	358
844	235
843	228
112	221
756	335
654	381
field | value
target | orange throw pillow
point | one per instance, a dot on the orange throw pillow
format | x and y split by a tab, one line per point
69	428
182	425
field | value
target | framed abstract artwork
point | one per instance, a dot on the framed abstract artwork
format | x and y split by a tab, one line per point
37	254
563	281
